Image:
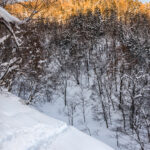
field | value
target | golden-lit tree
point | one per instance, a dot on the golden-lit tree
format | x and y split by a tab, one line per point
61	10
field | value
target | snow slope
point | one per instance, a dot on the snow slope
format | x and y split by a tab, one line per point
24	128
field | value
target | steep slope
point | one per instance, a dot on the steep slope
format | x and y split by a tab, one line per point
24	128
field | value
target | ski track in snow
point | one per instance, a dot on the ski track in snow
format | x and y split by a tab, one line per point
24	128
38	136
34	136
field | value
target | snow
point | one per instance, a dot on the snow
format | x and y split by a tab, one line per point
90	127
75	94
24	128
3	39
8	17
95	128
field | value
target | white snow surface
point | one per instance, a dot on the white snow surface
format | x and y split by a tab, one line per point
3	39
24	128
8	17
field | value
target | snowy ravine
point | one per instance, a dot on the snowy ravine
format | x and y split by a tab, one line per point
24	128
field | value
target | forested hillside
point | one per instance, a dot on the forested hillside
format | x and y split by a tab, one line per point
94	55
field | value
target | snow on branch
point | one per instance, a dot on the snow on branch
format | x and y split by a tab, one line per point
8	17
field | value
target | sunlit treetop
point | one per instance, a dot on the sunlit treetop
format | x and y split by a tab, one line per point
61	10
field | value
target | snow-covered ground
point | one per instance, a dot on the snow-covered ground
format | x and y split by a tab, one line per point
90	126
24	128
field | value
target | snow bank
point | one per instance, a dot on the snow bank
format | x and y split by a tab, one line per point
8	17
24	128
